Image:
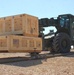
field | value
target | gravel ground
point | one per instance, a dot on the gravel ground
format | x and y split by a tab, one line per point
63	65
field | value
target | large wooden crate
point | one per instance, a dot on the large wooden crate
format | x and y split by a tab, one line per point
13	43
24	24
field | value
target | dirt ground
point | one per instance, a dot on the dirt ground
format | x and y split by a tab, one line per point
63	65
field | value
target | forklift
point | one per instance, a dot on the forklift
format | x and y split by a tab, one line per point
63	38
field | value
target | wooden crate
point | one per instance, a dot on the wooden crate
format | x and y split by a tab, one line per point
24	24
13	43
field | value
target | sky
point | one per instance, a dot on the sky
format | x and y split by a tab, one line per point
39	8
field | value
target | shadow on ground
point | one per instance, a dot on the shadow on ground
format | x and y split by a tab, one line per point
28	63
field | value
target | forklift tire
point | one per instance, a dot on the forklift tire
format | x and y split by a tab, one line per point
61	43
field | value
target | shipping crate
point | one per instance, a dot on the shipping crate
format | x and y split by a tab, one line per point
13	43
24	24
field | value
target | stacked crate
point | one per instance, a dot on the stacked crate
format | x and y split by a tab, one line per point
19	33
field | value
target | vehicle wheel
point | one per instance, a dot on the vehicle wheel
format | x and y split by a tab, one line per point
61	43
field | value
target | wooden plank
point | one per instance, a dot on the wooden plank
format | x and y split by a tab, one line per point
18	25
38	43
1	25
8	24
3	43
